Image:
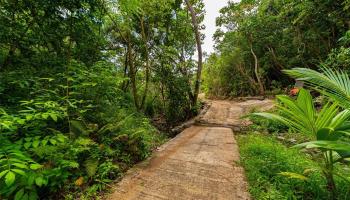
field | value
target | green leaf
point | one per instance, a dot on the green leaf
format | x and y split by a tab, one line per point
35	166
343	127
19	194
10	178
3	173
344	154
36	143
18	171
25	197
60	138
294	176
29	117
5	125
39	181
27	145
21	121
91	166
44	142
53	116
52	141
20	165
17	160
327	145
331	83
33	195
327	134
45	115
31	179
18	154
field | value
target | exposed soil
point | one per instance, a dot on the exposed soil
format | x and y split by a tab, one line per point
198	164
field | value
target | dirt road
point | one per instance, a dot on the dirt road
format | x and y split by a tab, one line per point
198	164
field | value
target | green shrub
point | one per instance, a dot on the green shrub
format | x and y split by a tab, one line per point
262	124
54	140
263	158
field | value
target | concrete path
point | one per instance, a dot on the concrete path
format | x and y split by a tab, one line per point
198	164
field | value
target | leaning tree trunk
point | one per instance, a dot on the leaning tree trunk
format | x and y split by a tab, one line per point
200	53
256	71
252	82
133	76
274	58
145	41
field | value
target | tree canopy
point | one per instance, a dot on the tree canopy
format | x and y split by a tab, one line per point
78	81
88	88
258	39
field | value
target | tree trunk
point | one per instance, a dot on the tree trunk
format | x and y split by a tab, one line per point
125	84
145	41
256	71
200	53
133	76
252	81
331	187
8	58
274	57
328	172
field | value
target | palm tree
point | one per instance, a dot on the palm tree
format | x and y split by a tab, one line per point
326	126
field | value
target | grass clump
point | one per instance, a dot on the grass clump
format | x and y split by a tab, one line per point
264	158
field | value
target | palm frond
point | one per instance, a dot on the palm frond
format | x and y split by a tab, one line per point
326	115
301	115
328	145
283	120
340	119
331	83
298	114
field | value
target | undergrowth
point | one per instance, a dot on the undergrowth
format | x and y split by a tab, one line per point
264	158
69	141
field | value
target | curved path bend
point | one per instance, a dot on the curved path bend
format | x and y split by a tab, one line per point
198	164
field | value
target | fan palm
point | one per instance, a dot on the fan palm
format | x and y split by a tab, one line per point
331	83
302	116
327	126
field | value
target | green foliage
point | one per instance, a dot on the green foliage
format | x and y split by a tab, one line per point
57	137
264	125
269	164
333	84
339	59
219	73
301	115
282	34
41	33
328	127
158	43
76	78
178	107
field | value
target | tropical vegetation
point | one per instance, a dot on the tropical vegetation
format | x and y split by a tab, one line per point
329	128
83	84
261	48
257	39
88	88
276	171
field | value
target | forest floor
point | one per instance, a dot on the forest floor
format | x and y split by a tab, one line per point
199	163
